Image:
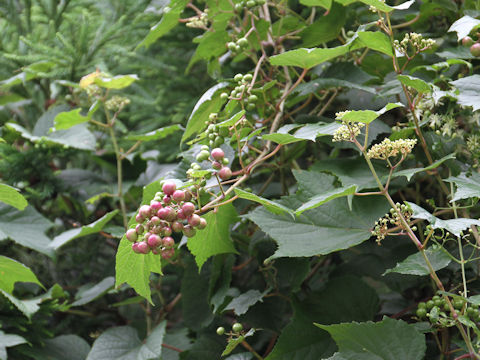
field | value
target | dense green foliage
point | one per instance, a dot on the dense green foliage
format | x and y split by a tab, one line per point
236	180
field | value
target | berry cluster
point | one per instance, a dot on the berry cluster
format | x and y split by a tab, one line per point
239	91
248	4
218	160
237	328
215	134
437	311
238	46
348	131
170	211
382	228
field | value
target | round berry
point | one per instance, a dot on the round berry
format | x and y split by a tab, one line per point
139	229
188	209
220	330
176	225
169	187
238	77
225	161
248	77
430	304
166	231
168	253
168	241
194	220
224	96
251	107
155	220
139	218
167	199
135	248
188	231
231	46
181	215
467	41
171	214
154	241
238	8
217	154
216	165
145	211
188	196
155	205
475	49
225	173
131	235
219	140
178	195
421	313
252	98
163	212
458	304
202	225
143	247
237	327
242	42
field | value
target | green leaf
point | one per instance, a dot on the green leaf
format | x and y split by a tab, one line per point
328	228
157	134
385	339
71	347
241	303
211	44
32	224
415	264
367	116
169	21
408	173
66	120
377	41
455	226
210	102
468	89
180	340
234	342
232	120
416	83
270	205
326	28
326	4
115	82
9	340
464	26
321	199
93	228
352	355
11	196
282	139
215	238
132	268
123	343
93	292
327	83
12	271
467	187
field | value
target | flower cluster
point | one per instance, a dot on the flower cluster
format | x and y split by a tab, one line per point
348	131
445	126
414	41
199	22
388	148
117	102
392	218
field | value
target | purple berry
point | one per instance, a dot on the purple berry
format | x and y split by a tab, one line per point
168	241
217	154
168	253
167	199
169	187
139	219
171	214
145	211
216	165
203	224
225	173
155	205
188	231
139	229
181	215
143	247
194	220
176	225
135	248
188	209
155	220
163	212
154	241
166	231
178	195
147	235
131	235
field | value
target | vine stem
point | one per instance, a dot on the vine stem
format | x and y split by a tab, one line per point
247	346
119	176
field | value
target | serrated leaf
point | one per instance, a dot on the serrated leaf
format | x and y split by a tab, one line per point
66	120
467	187
321	199
455	226
464	26
93	228
328	228
282	139
94	291
215	238
385	339
242	302
210	102
27	307
12	271
123	343
376	41
415	264
408	173
367	116
326	4
270	205
11	196
168	22
468	89
32	224
71	347
416	83
115	82
9	340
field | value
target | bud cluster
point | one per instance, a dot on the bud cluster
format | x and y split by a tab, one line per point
388	148
199	22
348	131
116	102
413	41
248	4
170	211
215	134
238	46
392	219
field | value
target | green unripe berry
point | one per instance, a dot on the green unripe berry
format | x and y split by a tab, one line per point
205	147
458	304
238	7
237	327
421	313
261	2
430	304
211	136
248	77
251	3
224	96
438	302
203	155
220	330
242	42
422	305
195	166
237	48
467	41
219	140
446	307
238	77
232	46
213	117
250	107
252	98
225	161
212	143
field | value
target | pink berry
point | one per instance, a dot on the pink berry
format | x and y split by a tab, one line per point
178	195
155	205
188	209
139	219
203	224
217	154
163	212
475	49
225	173
169	187
168	241
188	196
143	247
176	225
166	231
467	41
147	235
168	253
145	211
154	241
156	251
194	220
156	230
216	165
139	229
181	215
167	199
188	231
171	214
131	235
135	248
155	220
